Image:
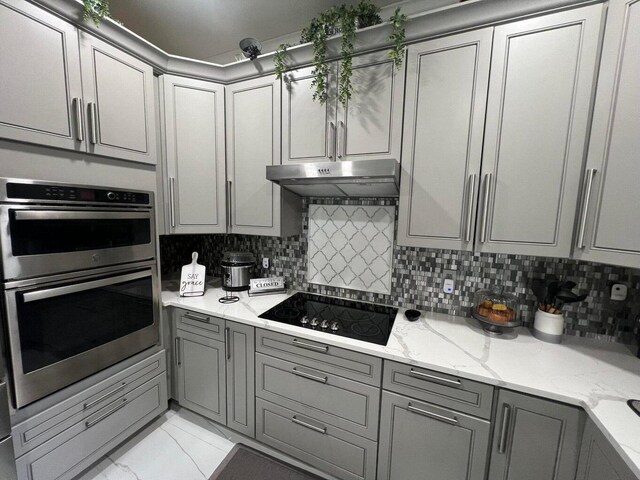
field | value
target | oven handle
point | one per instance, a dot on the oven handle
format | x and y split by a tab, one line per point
77	215
80	287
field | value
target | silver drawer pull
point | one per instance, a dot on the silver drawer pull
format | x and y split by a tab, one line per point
88	405
91	423
435	416
506	416
191	316
322	430
309	346
435	378
309	376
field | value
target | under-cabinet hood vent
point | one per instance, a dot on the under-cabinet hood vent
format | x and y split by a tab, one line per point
364	178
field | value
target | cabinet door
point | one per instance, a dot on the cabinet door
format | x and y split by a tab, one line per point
599	460
542	73
526	425
201	375
308	128
421	441
253	142
41	93
118	94
613	228
447	82
370	127
241	378
194	134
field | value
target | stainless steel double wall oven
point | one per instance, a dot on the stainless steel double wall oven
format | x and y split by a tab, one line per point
79	283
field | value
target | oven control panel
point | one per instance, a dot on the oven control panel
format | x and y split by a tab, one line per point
32	191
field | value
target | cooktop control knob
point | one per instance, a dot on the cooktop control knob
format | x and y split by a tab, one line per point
304	320
334	326
325	324
111	195
314	322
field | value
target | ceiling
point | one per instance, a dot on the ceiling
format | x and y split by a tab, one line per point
203	29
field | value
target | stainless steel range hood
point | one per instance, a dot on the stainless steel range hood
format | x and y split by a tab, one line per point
364	178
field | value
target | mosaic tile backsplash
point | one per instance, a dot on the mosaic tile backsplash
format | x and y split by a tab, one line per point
351	246
417	276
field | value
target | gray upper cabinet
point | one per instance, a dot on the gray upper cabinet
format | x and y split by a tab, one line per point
369	127
599	460
256	206
308	128
118	95
542	74
526	424
419	441
447	82
609	224
195	155
41	94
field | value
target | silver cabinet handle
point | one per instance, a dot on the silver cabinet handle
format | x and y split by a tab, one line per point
91	423
310	376
485	206
227	341
197	318
435	416
229	204
470	204
88	405
176	353
506	416
77	107
172	201
309	346
322	430
342	139
93	123
435	378
591	173
332	137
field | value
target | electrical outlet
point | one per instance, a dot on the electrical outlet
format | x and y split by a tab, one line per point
448	285
265	262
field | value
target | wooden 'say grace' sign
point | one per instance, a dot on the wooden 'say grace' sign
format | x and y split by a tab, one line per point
192	278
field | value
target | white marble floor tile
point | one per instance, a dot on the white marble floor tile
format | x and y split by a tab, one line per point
177	446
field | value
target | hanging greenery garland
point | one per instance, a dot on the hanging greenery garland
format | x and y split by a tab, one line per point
398	21
95	11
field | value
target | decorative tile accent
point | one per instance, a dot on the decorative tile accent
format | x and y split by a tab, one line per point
417	276
351	247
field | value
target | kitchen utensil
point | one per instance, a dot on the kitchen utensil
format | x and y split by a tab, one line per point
236	267
192	278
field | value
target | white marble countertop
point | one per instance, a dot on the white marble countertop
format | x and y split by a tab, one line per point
597	376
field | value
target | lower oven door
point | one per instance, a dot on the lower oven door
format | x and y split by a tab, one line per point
60	332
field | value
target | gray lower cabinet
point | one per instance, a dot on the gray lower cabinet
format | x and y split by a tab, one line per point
609	225
535	439
599	460
62	441
538	107
256	206
329	448
195	186
215	368
445	103
422	441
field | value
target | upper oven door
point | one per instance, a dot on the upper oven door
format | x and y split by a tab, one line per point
37	241
64	330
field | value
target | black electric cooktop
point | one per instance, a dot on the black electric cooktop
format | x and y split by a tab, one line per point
336	316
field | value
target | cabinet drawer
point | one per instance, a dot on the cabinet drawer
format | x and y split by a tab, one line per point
46	425
439	388
76	448
331	399
330	359
199	323
335	451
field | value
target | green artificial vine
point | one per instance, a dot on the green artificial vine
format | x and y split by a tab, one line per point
280	60
96	10
398	21
348	27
